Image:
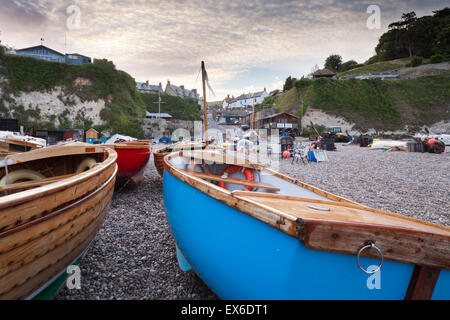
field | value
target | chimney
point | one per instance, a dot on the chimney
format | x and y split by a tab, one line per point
264	89
182	87
146	82
160	85
168	82
194	91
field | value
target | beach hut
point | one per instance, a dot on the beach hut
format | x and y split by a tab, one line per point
91	135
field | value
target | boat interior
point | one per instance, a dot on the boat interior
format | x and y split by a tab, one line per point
283	195
24	175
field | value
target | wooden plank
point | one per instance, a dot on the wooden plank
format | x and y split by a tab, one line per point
13	216
422	283
213	177
24	281
396	243
338	211
36	246
34	183
34	259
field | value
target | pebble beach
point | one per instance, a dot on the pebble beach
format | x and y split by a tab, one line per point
133	255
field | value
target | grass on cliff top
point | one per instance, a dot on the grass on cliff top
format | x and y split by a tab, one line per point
376	67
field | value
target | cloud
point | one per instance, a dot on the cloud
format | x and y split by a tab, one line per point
161	40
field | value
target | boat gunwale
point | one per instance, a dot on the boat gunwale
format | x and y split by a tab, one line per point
32	194
130	146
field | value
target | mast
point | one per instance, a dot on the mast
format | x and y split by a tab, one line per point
205	107
252	125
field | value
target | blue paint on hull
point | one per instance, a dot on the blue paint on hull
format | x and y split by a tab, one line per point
240	257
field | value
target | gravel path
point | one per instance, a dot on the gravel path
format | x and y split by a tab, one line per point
133	255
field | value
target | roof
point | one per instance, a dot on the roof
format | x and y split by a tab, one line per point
41	46
183	92
250	95
148	87
157	115
77	54
92	129
280	113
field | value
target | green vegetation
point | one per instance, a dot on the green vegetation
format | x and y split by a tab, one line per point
377	67
289	83
177	107
437	58
334	63
411	35
99	80
383	105
268	102
415	62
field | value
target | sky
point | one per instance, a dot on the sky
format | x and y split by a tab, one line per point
246	45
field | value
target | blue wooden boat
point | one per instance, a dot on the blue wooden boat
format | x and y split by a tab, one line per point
285	239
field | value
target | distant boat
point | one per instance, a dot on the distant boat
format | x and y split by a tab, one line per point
11	143
158	155
54	200
132	157
382	144
285	239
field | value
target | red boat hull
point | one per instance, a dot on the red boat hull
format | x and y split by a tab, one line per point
131	161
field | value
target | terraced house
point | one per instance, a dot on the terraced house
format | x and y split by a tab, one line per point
180	91
149	88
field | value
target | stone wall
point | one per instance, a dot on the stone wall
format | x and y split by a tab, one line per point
156	128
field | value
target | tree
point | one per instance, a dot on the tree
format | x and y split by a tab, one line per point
289	83
411	35
406	32
333	62
348	65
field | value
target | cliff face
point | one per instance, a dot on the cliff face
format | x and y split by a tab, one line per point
49	95
53	107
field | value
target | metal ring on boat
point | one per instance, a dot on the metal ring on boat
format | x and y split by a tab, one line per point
369	245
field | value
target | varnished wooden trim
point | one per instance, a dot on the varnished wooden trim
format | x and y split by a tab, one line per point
25	196
422	283
61	210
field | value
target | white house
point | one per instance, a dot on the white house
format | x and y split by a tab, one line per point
245	100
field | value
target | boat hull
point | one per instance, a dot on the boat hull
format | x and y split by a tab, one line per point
158	158
47	229
131	162
240	257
